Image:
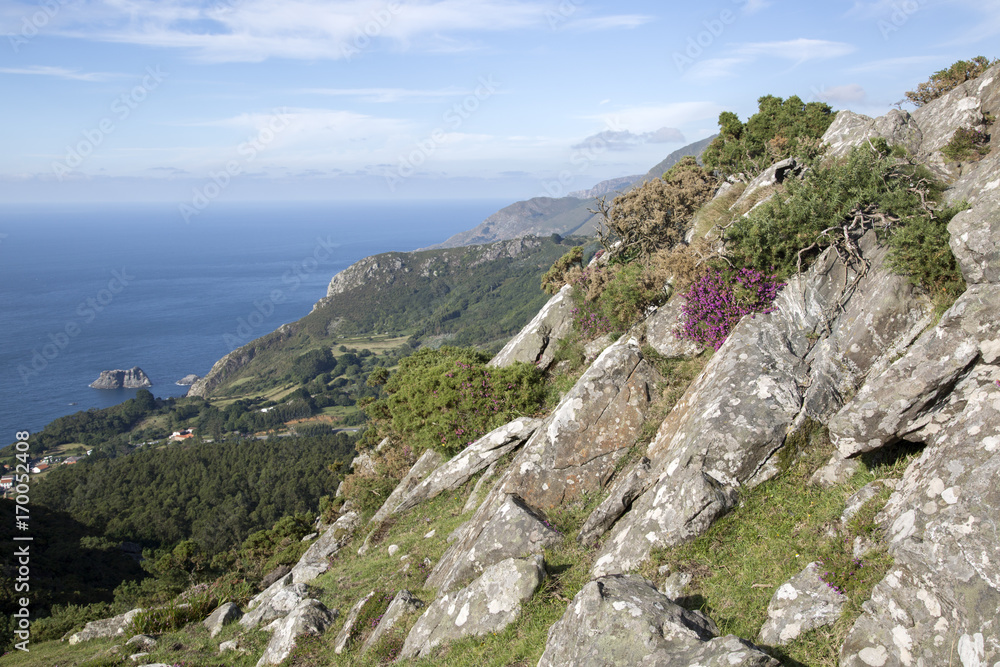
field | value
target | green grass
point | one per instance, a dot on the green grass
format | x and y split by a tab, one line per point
778	528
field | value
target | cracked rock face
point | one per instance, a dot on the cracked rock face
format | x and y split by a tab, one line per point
402	604
489	604
575	451
423	467
275	602
479	455
536	343
513	530
801	604
660	327
623	620
801	359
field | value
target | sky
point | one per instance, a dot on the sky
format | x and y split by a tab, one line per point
254	100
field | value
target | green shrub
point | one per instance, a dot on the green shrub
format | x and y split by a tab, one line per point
66	618
555	277
920	250
446	399
780	129
967	145
947	79
869	189
612	299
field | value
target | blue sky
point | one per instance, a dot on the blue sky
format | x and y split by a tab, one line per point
183	100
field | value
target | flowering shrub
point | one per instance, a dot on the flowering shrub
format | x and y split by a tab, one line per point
613	298
718	301
589	321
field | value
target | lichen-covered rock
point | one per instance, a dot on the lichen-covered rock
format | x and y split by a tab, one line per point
836	471
457	471
344	636
801	604
142	642
629	487
536	343
274	603
309	617
902	401
773	175
623	621
851	129
660	328
106	627
975	233
404	603
826	334
862	496
513	531
315	561
222	616
594	425
489	604
423	467
476	495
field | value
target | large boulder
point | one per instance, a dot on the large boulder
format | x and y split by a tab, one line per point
424	466
315	561
512	531
309	617
344	636
850	129
975	233
623	620
222	616
629	487
801	604
537	342
274	603
593	426
489	604
831	328
106	627
474	458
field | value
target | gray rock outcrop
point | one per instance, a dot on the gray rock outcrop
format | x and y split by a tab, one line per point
536	342
133	378
512	531
106	627
476	457
404	603
222	616
801	604
623	620
660	327
188	380
344	636
309	617
489	604
315	561
429	461
274	603
593	426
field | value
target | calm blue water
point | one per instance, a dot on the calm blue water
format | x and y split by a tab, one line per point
86	288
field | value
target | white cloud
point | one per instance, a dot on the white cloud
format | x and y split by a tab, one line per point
652	118
800	50
386	94
714	68
61	72
623	140
848	94
754	6
254	30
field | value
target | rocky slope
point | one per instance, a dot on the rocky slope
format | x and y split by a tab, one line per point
853	347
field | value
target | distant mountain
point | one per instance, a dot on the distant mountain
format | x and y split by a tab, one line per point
606	187
544	216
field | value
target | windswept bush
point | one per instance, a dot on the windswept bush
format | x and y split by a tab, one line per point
612	299
448	398
948	79
715	303
557	276
967	145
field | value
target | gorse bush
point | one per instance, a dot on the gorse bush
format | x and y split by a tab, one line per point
780	129
948	79
556	277
967	145
448	398
611	299
834	204
716	303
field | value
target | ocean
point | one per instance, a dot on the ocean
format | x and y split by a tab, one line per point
86	288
